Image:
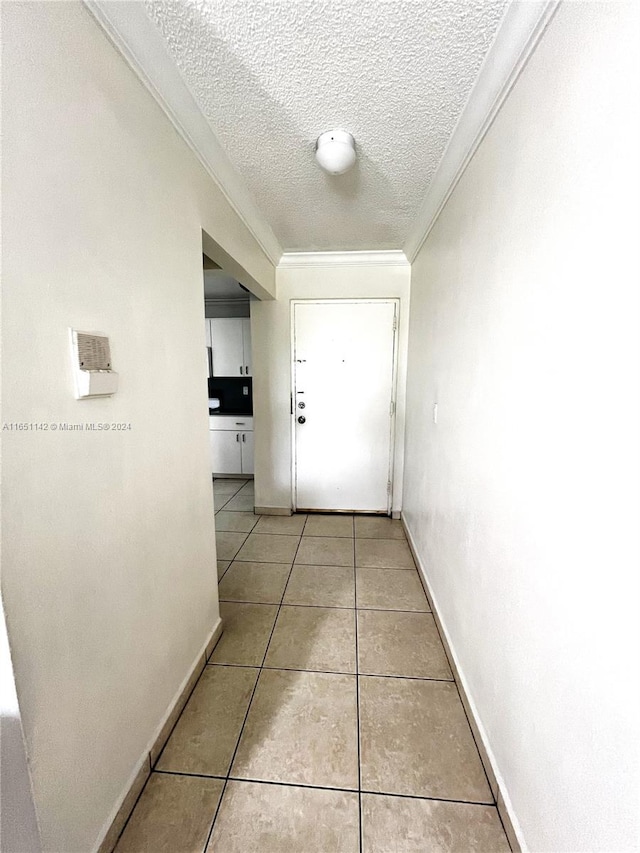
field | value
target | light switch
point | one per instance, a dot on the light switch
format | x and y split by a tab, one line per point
435	413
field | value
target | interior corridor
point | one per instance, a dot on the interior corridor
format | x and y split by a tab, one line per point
326	718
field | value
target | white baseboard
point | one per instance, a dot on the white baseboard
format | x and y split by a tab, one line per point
503	802
133	788
272	510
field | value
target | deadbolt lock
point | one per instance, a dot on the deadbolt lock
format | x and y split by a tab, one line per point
301	419
301	405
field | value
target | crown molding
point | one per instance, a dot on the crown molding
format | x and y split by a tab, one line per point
393	258
136	37
520	31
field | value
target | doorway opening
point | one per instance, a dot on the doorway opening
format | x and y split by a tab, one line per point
227	310
229	292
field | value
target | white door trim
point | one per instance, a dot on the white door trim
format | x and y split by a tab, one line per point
395	301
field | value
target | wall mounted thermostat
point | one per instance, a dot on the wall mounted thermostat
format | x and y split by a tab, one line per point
91	361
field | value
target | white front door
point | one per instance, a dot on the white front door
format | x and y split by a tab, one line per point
344	386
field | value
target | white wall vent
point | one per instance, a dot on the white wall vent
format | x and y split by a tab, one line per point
91	361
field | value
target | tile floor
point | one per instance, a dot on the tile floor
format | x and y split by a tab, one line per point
327	719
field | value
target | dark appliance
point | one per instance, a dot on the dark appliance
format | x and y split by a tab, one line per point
235	394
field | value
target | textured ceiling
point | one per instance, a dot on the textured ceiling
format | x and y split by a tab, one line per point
271	75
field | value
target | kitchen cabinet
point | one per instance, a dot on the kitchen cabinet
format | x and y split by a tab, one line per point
231	444
230	342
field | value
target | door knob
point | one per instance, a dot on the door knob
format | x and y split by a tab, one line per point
301	419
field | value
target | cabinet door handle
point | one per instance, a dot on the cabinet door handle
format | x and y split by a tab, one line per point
241	370
246	370
237	437
244	436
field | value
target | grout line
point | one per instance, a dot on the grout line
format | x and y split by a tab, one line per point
222	575
246	716
504	829
327	536
355	615
250	781
133	808
319	606
190	773
224	786
431	799
334	672
475	743
229	498
183	707
455	681
323	606
306	565
325	565
226	778
248	532
259	533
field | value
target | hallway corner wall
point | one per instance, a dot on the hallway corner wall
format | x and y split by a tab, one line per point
271	345
109	564
522	500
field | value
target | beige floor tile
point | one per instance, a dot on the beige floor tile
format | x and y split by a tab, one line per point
240	503
405	825
290	525
315	638
393	643
324	586
415	740
389	589
269	548
378	527
228	544
284	819
173	813
301	729
206	734
325	551
237	522
260	583
245	634
383	554
223	565
227	487
329	525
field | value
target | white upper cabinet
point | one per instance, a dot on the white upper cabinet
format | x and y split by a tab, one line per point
231	346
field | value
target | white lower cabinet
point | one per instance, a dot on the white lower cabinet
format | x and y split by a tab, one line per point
231	444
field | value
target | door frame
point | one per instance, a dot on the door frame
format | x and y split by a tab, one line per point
395	301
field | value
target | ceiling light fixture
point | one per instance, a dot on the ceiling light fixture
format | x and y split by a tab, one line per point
336	151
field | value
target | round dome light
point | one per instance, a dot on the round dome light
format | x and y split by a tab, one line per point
336	151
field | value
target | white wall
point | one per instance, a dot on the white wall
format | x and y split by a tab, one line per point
109	572
18	823
522	500
271	349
